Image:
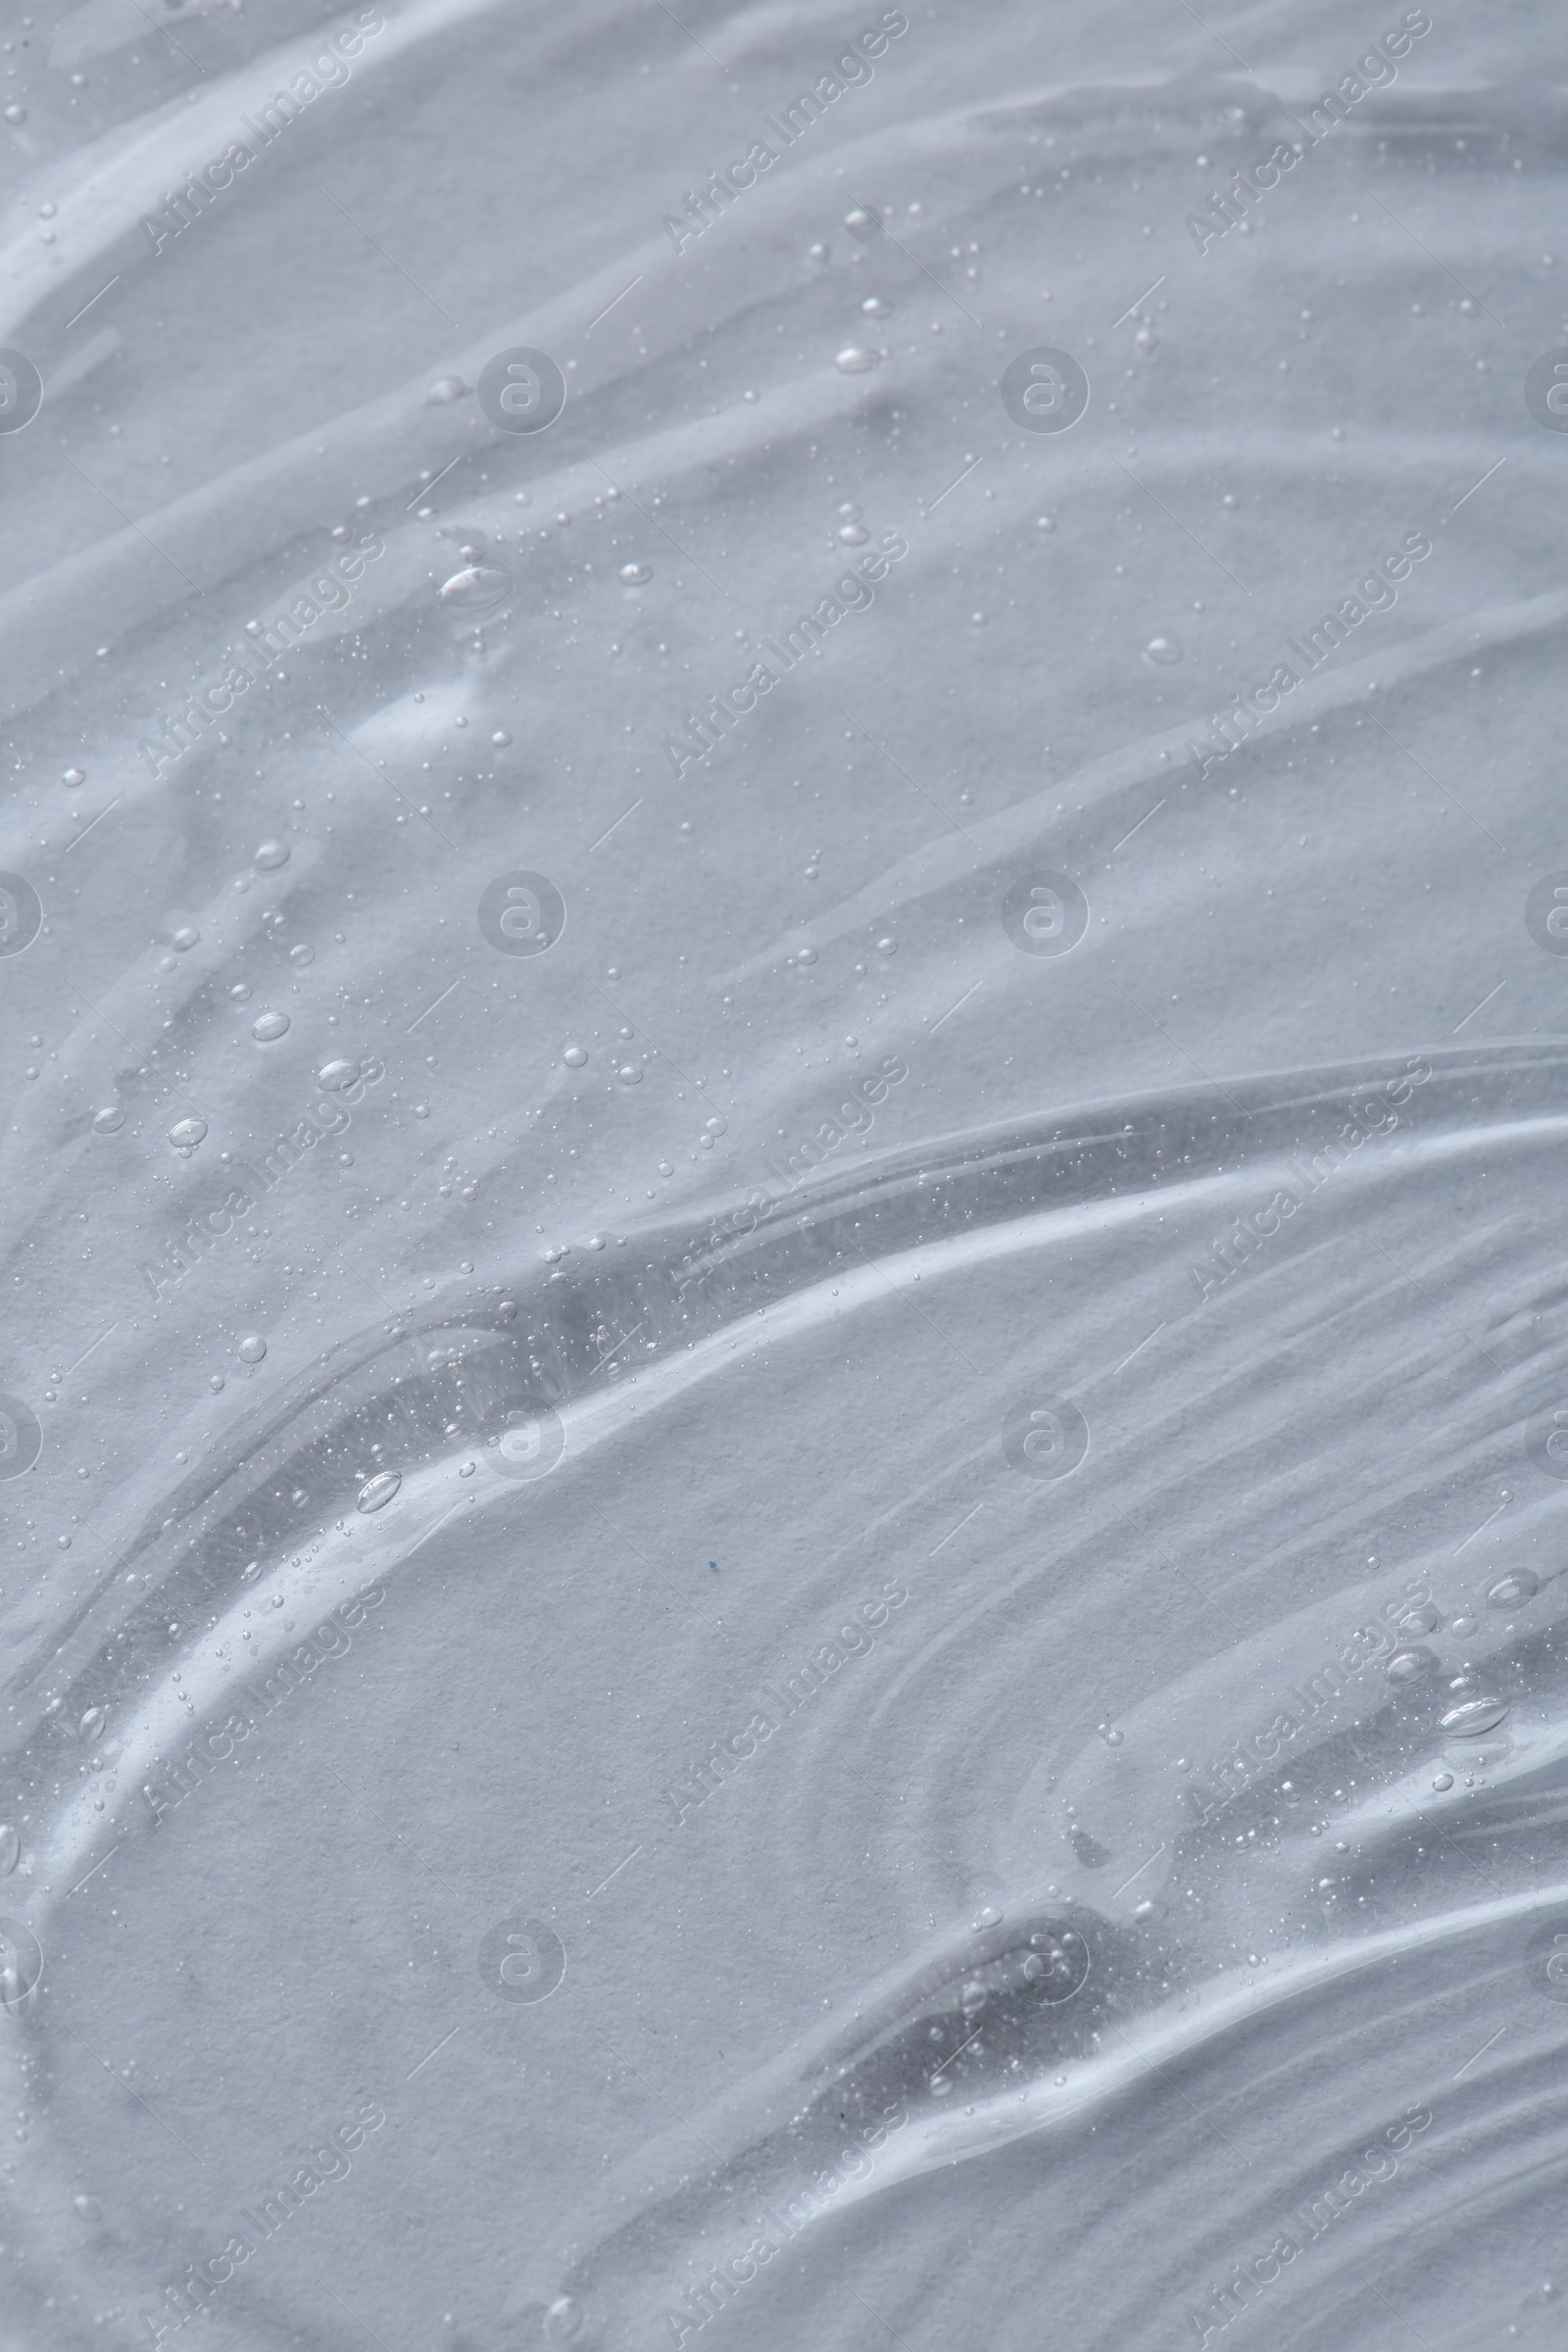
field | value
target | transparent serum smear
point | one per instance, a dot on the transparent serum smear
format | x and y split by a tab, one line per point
413	1401
807	2142
348	1472
1042	2022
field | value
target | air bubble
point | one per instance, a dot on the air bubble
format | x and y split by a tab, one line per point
252	1350
854	360
186	1134
269	1027
336	1075
271	856
1162	649
1474	1718
1510	1591
75	776
109	1120
185	938
629	1074
636	575
377	1493
477	588
863	223
574	1057
445	390
1409	1666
